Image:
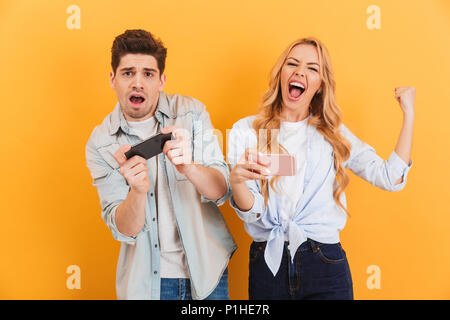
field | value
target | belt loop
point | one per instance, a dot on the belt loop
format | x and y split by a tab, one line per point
314	246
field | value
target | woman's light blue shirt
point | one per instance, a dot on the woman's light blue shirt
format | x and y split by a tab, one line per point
317	216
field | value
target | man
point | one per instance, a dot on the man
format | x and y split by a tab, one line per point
175	242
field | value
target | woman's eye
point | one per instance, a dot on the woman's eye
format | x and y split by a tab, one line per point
313	69
291	64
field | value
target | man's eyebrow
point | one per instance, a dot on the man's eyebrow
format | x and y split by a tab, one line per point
132	68
126	69
307	63
150	69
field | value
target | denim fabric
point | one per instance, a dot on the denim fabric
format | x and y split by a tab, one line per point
318	272
180	289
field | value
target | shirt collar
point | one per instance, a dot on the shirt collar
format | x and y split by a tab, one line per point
118	120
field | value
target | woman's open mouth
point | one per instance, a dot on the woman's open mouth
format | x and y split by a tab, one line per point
296	89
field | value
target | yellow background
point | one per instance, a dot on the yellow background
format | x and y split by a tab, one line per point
55	89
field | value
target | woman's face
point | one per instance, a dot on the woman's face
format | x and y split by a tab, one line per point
300	77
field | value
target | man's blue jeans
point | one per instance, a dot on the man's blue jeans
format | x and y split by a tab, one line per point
180	289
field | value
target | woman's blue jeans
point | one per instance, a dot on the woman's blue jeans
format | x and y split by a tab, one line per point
319	271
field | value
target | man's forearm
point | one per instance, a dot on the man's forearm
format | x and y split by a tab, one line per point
130	214
208	181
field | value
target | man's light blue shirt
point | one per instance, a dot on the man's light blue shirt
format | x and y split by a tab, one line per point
205	237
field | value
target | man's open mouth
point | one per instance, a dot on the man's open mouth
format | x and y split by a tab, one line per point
136	99
296	89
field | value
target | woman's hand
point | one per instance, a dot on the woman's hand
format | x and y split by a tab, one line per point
251	166
406	97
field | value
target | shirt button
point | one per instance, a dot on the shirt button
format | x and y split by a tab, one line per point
156	246
154	219
151	194
155	272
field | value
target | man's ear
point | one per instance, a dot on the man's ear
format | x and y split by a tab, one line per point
111	80
162	81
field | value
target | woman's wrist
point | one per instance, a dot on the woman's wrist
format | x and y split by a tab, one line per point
243	198
408	116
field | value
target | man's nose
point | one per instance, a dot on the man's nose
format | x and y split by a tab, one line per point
137	83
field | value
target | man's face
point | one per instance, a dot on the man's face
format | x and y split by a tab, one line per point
137	82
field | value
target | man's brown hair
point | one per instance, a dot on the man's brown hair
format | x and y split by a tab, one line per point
138	41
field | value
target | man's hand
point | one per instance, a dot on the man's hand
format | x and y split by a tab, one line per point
178	151
134	170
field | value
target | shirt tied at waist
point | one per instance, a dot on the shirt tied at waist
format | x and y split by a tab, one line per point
275	243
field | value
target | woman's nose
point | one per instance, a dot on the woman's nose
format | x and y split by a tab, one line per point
300	72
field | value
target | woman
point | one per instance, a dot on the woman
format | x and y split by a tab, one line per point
295	220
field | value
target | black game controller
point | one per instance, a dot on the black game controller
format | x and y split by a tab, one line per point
149	147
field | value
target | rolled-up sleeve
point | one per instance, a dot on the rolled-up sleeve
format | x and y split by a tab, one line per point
256	211
365	163
111	187
208	153
238	142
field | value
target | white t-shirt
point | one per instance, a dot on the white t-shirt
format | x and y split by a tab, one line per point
293	138
172	257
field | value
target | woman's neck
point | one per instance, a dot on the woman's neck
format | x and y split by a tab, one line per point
294	115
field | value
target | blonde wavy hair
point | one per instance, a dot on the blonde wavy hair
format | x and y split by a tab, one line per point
324	113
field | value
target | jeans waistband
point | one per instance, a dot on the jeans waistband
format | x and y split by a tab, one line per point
309	244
